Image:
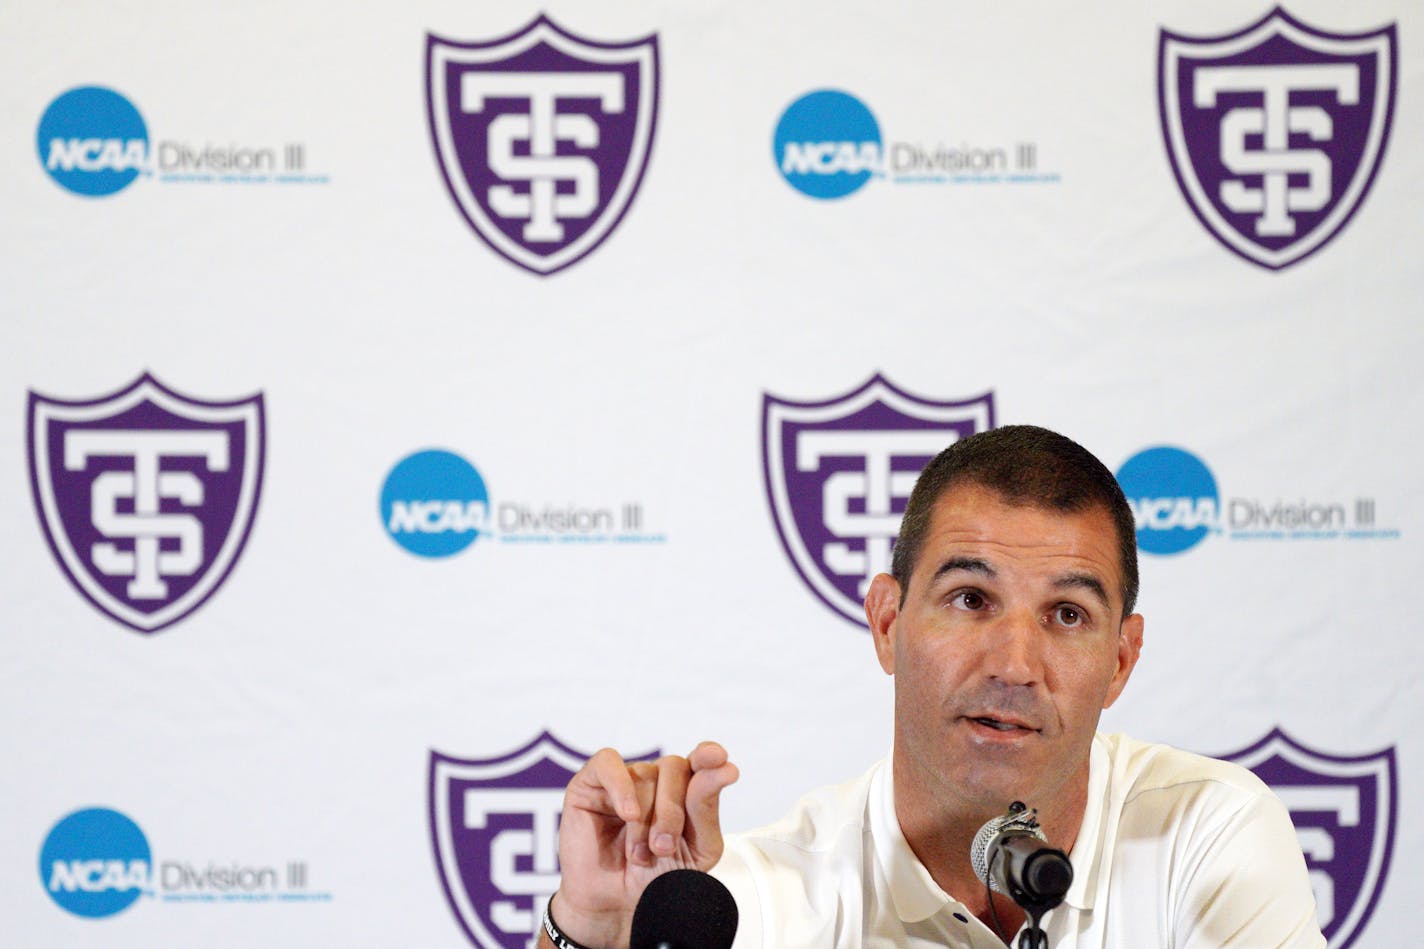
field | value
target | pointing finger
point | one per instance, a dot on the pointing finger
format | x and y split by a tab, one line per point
608	774
644	776
673	775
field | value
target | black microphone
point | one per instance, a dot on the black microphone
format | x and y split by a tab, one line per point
1012	856
684	909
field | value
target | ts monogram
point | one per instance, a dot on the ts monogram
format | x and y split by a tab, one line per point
838	474
1344	810
494	824
146	496
1276	132
542	137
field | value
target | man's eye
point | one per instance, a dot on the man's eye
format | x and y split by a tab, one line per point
970	599
1070	616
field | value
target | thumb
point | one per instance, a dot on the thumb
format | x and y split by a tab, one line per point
703	831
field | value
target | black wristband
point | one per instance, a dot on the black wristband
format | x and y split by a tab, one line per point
555	934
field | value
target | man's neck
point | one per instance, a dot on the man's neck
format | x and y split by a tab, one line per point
940	829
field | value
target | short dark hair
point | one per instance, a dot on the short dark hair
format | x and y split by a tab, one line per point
1027	465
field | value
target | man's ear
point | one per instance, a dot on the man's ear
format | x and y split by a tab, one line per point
882	609
1129	649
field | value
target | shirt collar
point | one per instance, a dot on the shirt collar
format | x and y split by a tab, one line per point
1089	846
917	896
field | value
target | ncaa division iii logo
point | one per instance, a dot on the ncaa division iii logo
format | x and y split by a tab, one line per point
146	496
92	141
1276	132
96	862
542	136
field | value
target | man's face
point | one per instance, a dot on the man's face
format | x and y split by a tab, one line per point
1009	645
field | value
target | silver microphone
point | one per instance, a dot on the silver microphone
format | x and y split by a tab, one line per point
1011	855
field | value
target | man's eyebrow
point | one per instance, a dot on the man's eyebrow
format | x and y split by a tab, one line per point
1084	581
967	564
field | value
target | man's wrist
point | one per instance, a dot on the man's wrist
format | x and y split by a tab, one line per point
581	934
556	935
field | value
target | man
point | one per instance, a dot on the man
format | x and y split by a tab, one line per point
1008	625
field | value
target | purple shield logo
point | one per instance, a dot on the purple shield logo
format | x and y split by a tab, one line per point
146	495
542	136
1275	132
838	474
494	824
1344	813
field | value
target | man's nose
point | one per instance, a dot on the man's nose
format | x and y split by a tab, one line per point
1015	650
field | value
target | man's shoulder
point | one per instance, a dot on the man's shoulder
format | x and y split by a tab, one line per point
820	821
1147	772
1205	842
792	877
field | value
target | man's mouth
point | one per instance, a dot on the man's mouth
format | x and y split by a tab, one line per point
1000	724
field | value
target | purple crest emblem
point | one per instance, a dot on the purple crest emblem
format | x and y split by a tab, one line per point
494	824
146	495
1344	813
542	136
838	474
1275	132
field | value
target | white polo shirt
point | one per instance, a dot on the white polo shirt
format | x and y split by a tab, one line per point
1175	850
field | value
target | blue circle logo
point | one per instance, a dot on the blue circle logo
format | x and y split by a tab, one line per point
434	503
1173	497
827	144
95	862
92	141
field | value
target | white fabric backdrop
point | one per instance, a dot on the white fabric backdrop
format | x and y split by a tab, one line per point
291	718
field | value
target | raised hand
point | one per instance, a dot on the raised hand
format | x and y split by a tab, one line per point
624	824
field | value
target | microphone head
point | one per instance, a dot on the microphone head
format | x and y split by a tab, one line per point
1048	875
1019	821
684	909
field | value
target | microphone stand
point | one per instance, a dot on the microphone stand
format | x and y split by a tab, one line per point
1033	937
1034	904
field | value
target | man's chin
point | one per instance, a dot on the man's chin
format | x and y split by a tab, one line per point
995	774
991	795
